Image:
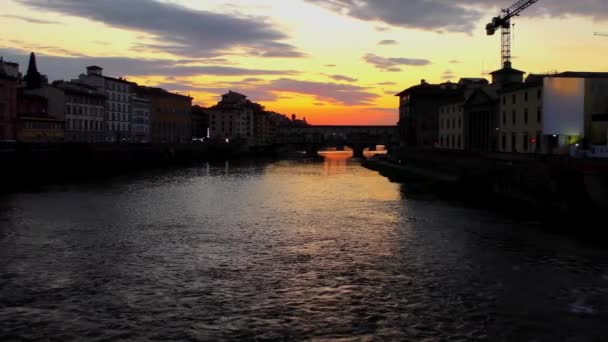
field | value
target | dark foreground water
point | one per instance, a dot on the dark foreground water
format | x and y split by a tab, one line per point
286	251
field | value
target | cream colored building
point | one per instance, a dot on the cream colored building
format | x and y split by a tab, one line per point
451	131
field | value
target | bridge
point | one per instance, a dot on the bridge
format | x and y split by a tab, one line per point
358	138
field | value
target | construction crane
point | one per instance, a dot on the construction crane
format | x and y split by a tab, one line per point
503	22
603	34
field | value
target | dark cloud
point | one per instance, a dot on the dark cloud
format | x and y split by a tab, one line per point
387	83
393	64
454	61
454	15
342	93
342	78
31	20
176	29
69	67
388	42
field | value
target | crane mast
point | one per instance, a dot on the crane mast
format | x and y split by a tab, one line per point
503	22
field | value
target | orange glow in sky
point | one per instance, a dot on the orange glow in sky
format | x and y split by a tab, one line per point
322	60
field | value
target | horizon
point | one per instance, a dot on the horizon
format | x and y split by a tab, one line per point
333	62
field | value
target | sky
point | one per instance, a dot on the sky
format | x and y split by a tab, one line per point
331	61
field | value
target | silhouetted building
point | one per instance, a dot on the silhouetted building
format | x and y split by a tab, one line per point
118	93
452	116
200	122
171	115
232	119
9	75
419	112
507	76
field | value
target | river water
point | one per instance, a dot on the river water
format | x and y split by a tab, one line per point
288	250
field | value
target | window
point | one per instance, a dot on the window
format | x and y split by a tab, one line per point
504	118
539	95
514	118
513	142
504	100
526	115
459	122
539	115
526	141
503	142
514	98
459	141
538	142
526	96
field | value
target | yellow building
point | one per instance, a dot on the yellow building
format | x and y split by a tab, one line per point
171	115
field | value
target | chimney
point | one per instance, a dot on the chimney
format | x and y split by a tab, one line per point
423	82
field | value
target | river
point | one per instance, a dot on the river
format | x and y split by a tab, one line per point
286	250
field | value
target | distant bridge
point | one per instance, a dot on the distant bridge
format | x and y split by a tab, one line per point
358	138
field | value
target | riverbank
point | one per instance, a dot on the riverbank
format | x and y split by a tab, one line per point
549	187
31	165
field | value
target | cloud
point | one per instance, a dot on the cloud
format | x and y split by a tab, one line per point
179	30
31	20
330	65
454	61
453	15
342	78
421	14
388	42
341	93
387	83
58	67
447	75
393	64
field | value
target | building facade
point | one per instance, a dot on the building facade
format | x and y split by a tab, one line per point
232	119
521	119
9	74
118	108
84	111
171	115
140	124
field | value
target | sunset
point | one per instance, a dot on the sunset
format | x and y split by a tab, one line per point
334	62
304	170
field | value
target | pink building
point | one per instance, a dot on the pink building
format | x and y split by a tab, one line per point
9	74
